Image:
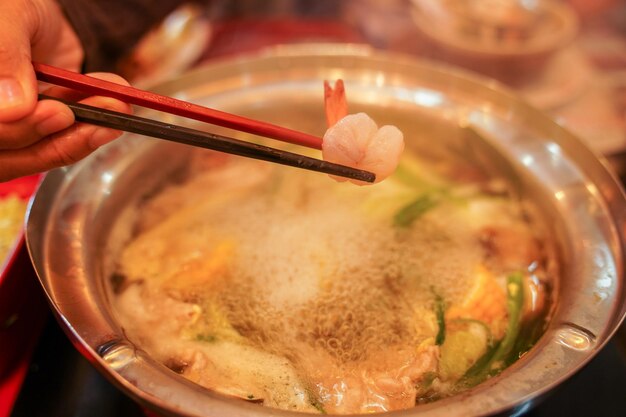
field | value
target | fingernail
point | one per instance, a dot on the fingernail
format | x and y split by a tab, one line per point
102	137
11	93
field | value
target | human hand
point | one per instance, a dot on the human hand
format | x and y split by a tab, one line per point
36	136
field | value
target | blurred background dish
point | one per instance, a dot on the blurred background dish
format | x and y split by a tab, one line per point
170	48
508	39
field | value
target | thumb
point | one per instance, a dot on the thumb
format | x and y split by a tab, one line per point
18	86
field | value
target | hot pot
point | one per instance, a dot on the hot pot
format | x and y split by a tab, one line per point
449	114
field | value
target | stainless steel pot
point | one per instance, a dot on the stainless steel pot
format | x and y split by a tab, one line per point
447	113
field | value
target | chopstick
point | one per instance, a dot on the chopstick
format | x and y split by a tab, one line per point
95	86
156	129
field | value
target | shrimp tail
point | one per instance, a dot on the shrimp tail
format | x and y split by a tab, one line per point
335	102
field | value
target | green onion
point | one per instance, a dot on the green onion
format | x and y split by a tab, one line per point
441	321
206	338
503	352
514	302
413	211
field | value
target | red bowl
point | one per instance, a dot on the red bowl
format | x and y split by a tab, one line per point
23	309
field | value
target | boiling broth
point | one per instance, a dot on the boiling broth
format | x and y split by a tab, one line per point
284	288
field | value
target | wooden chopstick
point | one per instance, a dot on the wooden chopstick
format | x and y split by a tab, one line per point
156	129
95	86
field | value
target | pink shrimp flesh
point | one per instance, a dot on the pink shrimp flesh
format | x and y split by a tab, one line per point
356	141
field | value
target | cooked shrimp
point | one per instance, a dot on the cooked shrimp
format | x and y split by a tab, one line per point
355	140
